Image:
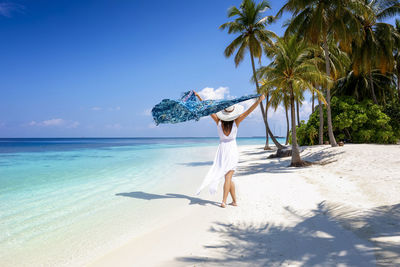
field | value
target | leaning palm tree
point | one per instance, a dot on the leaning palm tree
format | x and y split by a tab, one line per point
317	21
268	101
250	24
291	72
374	52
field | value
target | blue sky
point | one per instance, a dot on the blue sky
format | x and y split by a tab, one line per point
95	68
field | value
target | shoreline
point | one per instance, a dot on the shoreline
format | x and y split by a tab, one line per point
120	194
345	212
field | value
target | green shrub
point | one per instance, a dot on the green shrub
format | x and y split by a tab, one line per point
393	111
355	122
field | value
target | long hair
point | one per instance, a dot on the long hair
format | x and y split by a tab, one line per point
227	126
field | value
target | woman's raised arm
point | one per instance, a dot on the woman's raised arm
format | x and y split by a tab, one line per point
213	116
249	110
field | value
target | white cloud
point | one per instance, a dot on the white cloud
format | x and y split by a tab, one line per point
6	9
223	93
147	112
74	124
305	110
96	108
209	93
152	125
256	114
274	117
55	123
114	108
279	115
51	122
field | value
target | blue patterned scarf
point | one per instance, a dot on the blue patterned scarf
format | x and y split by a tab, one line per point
190	108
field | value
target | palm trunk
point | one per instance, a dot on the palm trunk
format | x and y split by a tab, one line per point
384	97
347	133
398	85
267	147
298	112
321	122
287	126
372	88
277	144
328	95
296	159
312	106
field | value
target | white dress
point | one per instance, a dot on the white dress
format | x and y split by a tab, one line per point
226	159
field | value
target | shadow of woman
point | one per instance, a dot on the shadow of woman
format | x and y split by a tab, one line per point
149	196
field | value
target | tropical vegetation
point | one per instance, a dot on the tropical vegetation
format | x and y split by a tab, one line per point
356	122
344	53
292	71
250	26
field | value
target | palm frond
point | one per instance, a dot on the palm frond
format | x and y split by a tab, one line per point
240	54
233	46
389	12
233	11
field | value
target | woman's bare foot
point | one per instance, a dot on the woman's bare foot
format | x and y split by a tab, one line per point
223	205
233	204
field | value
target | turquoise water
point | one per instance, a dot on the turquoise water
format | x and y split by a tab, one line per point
61	195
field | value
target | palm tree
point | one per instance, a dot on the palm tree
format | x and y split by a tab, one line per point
286	106
312	102
267	100
299	99
376	48
321	122
253	35
317	21
291	72
276	100
359	86
339	62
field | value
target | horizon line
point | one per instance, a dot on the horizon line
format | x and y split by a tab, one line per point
163	137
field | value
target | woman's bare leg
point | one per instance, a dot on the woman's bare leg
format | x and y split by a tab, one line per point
233	193
227	187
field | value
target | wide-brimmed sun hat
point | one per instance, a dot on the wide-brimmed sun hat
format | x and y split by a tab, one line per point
230	113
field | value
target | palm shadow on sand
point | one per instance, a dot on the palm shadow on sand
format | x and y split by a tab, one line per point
261	164
330	235
150	196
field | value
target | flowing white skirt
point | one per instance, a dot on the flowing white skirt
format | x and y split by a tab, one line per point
226	159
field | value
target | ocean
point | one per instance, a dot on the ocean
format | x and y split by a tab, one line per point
63	200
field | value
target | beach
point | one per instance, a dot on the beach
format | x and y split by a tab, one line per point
134	204
342	212
116	116
68	201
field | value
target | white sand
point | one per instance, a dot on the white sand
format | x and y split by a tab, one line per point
346	213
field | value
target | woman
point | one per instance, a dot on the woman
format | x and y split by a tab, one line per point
227	156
